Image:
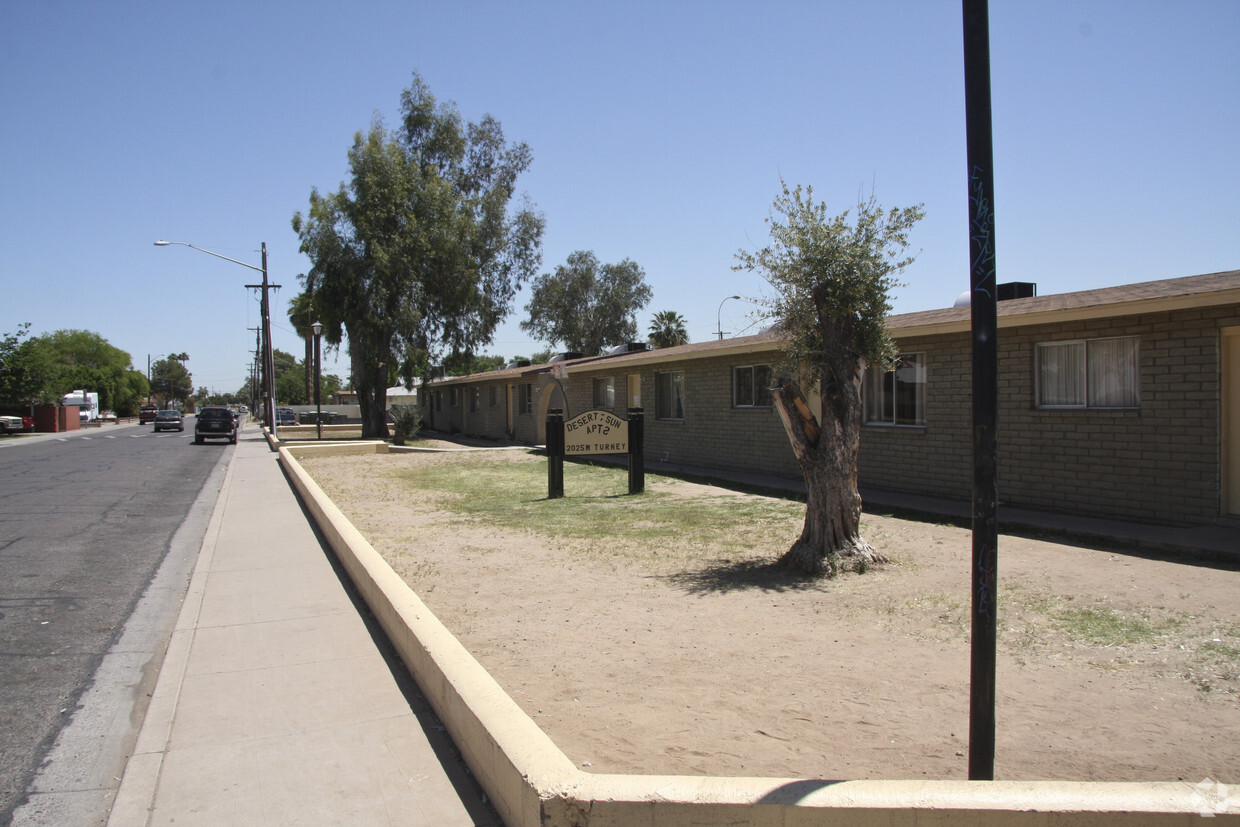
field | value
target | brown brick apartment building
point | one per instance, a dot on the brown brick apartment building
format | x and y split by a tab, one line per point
1120	402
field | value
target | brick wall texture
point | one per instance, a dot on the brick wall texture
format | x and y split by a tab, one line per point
1158	463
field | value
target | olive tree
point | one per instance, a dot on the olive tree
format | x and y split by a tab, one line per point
832	277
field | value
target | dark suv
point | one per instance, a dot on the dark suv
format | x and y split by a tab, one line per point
215	423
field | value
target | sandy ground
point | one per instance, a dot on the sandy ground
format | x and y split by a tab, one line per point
692	664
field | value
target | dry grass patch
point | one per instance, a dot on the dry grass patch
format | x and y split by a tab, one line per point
651	634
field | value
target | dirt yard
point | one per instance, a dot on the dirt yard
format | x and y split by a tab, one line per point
686	660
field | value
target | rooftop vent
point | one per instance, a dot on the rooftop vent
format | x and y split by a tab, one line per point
1006	291
1017	290
564	357
519	363
630	347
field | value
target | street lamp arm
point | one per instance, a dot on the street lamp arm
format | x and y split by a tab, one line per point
208	252
719	316
269	387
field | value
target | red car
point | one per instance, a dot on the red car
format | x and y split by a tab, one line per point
147	413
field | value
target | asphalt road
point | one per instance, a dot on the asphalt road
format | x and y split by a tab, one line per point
86	520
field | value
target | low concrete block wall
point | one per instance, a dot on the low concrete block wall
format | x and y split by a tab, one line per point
533	784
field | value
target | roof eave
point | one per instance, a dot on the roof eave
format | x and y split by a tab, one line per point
1015	318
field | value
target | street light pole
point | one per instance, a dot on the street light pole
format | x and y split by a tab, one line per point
985	352
719	316
317	327
268	360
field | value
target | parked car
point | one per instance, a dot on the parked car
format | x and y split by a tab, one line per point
16	424
215	423
285	416
169	421
147	414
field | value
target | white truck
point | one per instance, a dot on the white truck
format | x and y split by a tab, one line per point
13	424
88	404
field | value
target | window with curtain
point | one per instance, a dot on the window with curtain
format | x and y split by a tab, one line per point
1091	373
525	398
669	395
896	396
751	386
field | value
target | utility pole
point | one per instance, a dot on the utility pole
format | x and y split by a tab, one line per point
269	363
258	355
269	381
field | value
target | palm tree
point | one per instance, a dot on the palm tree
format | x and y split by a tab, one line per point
668	330
300	310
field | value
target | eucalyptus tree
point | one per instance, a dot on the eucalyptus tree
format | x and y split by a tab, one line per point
422	250
667	329
832	279
587	305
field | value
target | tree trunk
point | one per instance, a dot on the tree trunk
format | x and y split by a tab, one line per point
371	385
831	539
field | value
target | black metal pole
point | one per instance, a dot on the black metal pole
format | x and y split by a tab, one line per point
555	453
984	327
318	368
637	451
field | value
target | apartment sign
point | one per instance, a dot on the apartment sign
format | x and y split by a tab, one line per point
596	432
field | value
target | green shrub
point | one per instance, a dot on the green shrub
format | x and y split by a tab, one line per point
405	423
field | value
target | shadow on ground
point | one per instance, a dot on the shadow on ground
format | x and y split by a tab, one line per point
724	575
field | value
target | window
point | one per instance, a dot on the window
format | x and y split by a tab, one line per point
454	397
438	401
494	400
605	393
896	396
1093	373
475	398
669	393
525	398
751	386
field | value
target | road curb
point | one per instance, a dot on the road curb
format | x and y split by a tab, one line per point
136	795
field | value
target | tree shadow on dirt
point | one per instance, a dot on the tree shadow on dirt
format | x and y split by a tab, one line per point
723	575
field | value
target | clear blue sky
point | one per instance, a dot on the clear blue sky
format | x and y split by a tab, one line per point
660	131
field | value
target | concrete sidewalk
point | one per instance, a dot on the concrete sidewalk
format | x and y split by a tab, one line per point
274	703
